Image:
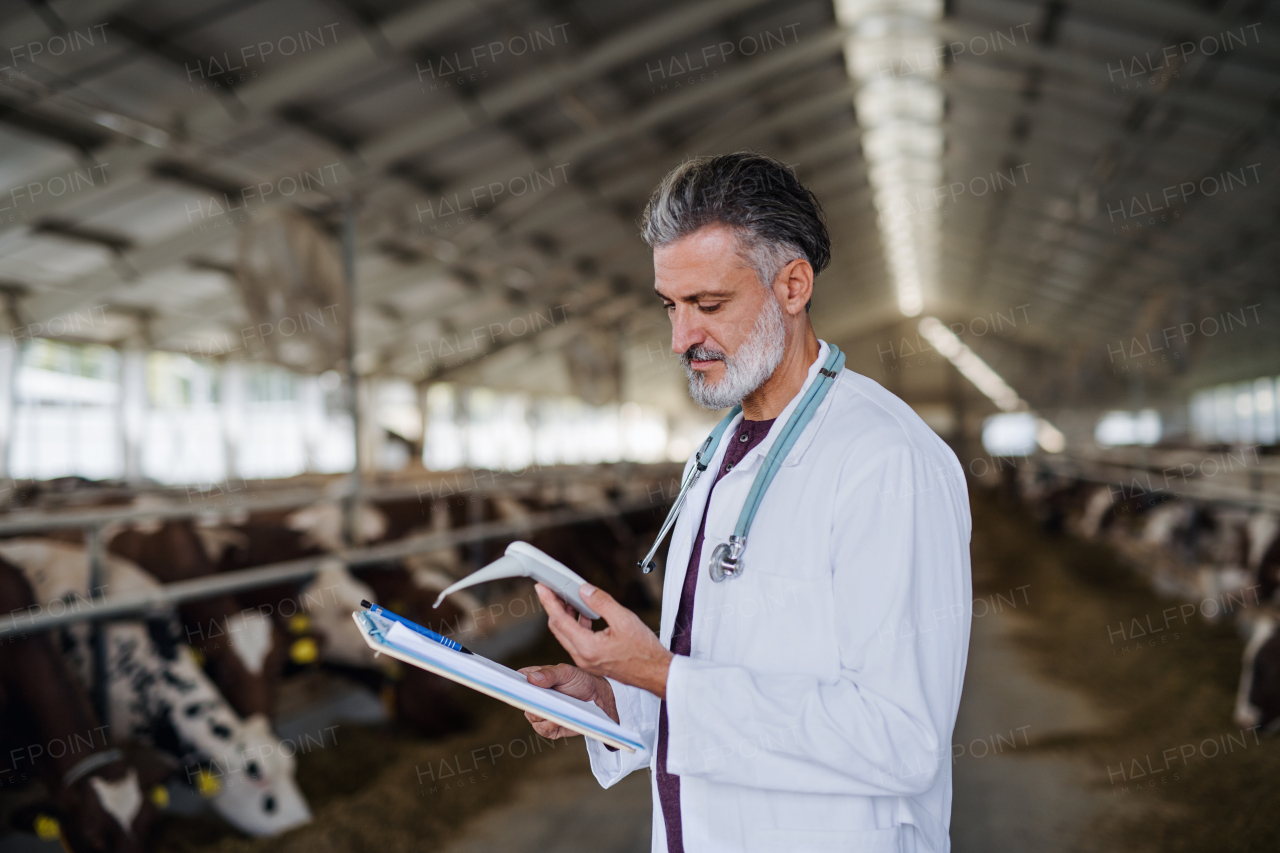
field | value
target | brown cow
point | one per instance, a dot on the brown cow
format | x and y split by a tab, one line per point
231	640
49	731
419	699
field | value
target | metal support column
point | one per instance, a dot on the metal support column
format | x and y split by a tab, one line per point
8	399
95	548
351	526
424	409
133	408
231	399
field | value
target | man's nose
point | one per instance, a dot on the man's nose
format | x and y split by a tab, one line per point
686	330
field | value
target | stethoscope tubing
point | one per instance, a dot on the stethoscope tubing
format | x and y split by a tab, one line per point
790	434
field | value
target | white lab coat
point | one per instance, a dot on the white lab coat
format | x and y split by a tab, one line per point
816	709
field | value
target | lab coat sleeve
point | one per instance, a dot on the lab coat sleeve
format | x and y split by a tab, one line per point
881	723
637	711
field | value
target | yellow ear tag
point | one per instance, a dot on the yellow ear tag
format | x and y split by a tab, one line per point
304	650
47	828
299	623
159	796
198	656
207	784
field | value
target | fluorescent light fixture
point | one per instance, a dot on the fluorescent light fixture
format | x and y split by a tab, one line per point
970	365
992	385
153	136
892	55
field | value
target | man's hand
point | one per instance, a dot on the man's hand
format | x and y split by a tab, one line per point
627	650
573	682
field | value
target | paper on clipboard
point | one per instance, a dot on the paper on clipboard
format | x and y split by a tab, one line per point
493	679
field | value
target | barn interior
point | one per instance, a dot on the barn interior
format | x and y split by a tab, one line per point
315	301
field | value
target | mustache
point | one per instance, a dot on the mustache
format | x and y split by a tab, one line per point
697	353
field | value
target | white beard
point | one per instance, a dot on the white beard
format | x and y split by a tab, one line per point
747	369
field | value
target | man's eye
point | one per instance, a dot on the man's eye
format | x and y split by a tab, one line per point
707	309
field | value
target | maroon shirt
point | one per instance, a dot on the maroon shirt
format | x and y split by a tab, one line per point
746	436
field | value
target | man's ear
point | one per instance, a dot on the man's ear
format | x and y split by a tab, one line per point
794	286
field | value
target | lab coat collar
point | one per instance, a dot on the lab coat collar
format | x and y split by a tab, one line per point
757	453
696	504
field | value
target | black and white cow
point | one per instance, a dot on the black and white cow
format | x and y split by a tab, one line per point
1258	696
1264	553
158	693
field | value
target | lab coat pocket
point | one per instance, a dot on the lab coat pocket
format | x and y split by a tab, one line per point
764	619
803	840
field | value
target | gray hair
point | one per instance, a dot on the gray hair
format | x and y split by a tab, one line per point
775	217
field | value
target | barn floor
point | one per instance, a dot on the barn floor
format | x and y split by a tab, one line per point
1043	656
1051	705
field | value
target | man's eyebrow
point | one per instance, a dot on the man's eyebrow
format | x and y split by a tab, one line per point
695	297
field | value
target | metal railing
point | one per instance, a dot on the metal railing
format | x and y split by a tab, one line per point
1233	482
166	596
17	522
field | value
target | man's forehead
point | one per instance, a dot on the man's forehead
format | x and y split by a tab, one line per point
704	264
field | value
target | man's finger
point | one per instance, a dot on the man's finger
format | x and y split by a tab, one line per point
603	603
554	606
558	616
543	676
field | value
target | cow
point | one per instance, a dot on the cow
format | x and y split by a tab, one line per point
245	650
1258	695
1264	553
49	731
1096	512
158	694
424	701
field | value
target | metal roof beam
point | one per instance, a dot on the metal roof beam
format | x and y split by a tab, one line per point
149	259
545	81
211	121
29	26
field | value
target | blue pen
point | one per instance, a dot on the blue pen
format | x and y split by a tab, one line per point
414	626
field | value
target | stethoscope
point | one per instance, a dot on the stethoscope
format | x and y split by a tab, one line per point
726	560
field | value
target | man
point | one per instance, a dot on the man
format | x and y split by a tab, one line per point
807	704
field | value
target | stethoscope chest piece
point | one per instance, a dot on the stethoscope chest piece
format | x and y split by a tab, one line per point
726	559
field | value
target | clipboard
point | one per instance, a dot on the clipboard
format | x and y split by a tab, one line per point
573	714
